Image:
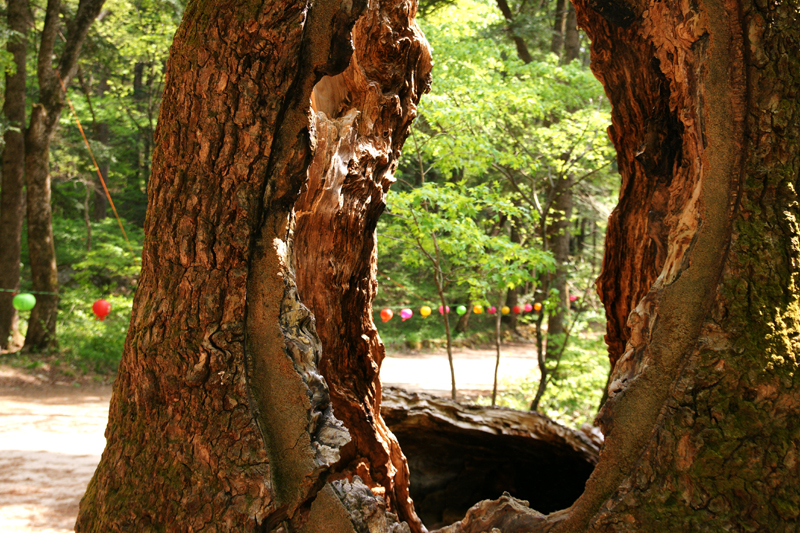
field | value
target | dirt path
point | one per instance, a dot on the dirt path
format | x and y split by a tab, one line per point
51	433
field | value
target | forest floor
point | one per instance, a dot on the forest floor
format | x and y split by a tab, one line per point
52	426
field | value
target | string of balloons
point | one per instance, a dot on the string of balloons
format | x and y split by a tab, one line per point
425	311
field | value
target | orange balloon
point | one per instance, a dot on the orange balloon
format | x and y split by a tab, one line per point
478	309
537	307
386	315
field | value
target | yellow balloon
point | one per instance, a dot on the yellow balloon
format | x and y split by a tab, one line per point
478	309
424	311
505	310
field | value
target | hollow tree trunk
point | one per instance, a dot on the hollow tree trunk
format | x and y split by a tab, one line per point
221	417
700	274
12	205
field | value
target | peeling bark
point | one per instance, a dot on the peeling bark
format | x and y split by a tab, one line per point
222	402
700	272
361	119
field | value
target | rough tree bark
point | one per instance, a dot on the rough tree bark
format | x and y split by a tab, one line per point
700	277
222	418
44	119
12	205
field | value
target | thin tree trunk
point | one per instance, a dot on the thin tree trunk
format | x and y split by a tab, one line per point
558	236
522	48
89	189
497	326
12	206
572	38
44	272
559	27
445	318
44	119
541	359
101	133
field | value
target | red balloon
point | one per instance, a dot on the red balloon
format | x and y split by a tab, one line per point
386	315
101	308
516	309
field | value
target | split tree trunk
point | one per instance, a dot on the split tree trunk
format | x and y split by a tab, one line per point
222	418
12	206
700	278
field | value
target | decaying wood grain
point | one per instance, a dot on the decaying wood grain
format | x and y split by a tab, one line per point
700	278
459	455
221	419
361	119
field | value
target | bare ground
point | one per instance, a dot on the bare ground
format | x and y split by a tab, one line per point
51	428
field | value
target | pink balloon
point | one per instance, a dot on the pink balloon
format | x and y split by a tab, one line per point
573	298
528	308
492	310
442	312
405	314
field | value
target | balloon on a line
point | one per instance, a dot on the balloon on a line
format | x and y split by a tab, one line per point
424	311
386	315
24	301
101	308
405	314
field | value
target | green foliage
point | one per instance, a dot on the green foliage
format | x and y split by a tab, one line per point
498	140
574	395
488	110
449	228
107	271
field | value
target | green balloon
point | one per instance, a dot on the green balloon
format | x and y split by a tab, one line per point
461	309
24	301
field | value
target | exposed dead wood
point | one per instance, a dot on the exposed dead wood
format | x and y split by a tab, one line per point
459	455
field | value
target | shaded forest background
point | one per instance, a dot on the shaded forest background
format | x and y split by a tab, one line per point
500	201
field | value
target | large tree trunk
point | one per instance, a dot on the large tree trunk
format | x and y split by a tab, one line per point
12	206
700	274
222	417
